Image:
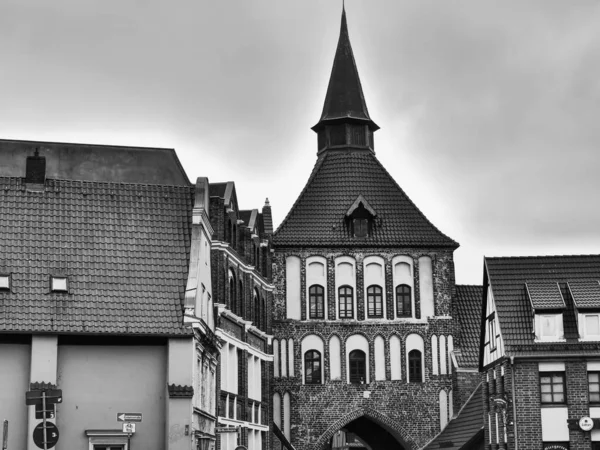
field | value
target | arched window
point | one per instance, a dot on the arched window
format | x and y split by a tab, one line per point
257	314
374	302
403	299
232	296
312	367
358	366
414	367
240	306
315	302
346	300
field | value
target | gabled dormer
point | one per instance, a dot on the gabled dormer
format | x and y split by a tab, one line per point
548	305
360	218
586	300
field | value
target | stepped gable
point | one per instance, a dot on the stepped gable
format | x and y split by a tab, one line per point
124	249
507	277
468	311
318	217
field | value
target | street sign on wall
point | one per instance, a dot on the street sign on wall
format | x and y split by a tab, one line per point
51	435
129	428
35	397
129	417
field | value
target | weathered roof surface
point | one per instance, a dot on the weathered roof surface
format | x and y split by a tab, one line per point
468	310
124	248
318	218
105	163
545	295
464	430
507	277
586	294
344	98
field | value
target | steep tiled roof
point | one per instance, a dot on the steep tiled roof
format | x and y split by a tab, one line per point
545	295
123	247
344	98
468	311
464	429
586	294
507	277
86	162
318	218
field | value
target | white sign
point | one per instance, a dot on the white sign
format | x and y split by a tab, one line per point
129	428
586	423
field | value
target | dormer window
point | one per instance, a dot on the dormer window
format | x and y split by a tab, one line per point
59	284
586	300
548	304
4	282
360	217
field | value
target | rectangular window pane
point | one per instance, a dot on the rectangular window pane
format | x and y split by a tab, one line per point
548	326
552	387
592	325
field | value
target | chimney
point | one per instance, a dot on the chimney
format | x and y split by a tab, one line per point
35	171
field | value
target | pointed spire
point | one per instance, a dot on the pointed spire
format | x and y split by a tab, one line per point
344	98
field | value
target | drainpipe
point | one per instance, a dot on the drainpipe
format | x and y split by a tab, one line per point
512	378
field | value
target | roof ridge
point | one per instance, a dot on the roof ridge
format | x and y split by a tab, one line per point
587	255
93	182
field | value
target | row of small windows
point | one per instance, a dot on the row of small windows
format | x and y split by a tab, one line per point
357	354
57	283
258	315
315	278
346	302
282	413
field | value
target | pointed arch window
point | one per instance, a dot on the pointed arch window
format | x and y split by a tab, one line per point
346	302
403	300
316	302
415	375
232	293
358	366
257	312
374	302
240	306
312	367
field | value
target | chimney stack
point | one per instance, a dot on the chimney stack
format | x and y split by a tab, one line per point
35	171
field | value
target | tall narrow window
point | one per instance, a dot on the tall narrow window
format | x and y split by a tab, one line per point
241	307
257	314
403	299
374	302
346	302
594	386
415	374
232	296
312	367
358	366
315	301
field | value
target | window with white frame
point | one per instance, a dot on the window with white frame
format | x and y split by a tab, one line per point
589	326
59	284
403	279
4	282
345	287
549	326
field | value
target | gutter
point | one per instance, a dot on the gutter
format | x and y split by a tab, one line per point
512	378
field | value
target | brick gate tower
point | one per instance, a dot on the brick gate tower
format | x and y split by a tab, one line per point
363	326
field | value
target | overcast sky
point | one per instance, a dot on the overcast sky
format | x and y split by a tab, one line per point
489	111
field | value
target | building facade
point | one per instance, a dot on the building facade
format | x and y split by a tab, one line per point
539	352
105	295
364	332
241	272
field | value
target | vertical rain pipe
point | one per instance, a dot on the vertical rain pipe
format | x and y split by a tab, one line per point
512	379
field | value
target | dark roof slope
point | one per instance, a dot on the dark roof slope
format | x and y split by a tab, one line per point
464	430
318	218
507	277
105	163
124	248
344	98
468	311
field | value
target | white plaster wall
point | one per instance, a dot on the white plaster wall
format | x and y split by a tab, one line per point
443	362
450	344
290	357
345	275
275	358
357	342
415	342
395	358
379	358
316	273
312	342
283	353
292	287
374	274
426	287
554	424
443	400
335	360
286	416
435	370
403	273
277	409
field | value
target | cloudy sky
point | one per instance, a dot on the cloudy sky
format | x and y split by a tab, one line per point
489	111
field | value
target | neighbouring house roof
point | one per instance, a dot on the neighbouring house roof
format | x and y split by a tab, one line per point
509	278
468	312
318	217
86	162
344	98
123	247
466	429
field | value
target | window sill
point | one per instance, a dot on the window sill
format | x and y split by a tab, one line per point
547	340
594	338
553	405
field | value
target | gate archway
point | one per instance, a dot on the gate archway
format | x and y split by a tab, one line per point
356	421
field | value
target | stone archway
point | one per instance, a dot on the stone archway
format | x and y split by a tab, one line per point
378	418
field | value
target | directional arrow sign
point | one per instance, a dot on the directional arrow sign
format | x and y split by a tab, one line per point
129	417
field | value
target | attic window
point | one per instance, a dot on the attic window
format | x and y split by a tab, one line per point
59	284
360	227
361	217
4	282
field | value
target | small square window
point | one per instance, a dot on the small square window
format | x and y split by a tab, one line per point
594	386
59	284
4	282
552	387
